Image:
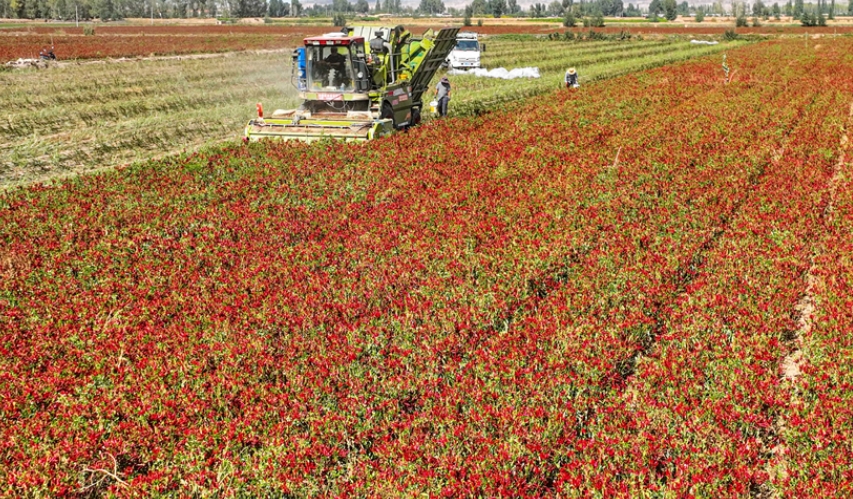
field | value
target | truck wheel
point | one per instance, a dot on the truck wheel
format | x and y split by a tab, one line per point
388	114
416	116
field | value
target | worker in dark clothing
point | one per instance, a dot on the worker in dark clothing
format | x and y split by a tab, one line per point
47	54
442	95
572	78
337	61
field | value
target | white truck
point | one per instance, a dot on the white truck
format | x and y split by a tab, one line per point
466	54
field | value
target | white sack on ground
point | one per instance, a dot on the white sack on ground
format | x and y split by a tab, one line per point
498	73
704	42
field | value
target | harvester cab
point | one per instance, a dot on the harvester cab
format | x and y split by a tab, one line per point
358	84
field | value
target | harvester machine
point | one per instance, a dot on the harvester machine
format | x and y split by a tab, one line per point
359	84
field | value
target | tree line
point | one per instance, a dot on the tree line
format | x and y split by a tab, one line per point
808	14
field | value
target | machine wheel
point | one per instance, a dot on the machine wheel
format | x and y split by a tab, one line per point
416	116
388	114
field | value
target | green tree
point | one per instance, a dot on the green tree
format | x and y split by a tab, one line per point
798	9
279	8
655	8
597	20
430	7
850	8
832	9
789	8
250	8
512	7
555	8
618	8
537	10
670	9
496	8
700	14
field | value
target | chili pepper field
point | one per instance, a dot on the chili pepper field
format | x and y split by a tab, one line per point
639	288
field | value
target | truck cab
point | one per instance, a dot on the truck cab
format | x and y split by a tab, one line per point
466	53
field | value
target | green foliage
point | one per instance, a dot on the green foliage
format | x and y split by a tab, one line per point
670	10
741	22
250	8
430	7
700	15
596	21
756	23
595	35
479	22
569	21
654	8
338	19
466	21
730	35
810	20
278	8
591	35
89	30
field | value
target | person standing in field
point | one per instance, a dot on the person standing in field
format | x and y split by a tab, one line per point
442	95
572	78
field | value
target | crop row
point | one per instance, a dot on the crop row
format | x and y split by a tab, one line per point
817	458
71	47
481	94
